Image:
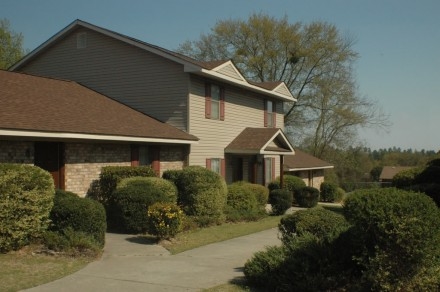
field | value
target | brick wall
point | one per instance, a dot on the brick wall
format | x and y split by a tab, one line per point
83	163
173	157
16	152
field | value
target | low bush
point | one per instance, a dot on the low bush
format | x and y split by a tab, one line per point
405	178
281	200
26	198
111	175
202	194
261	194
328	192
318	221
307	197
128	204
72	242
290	182
242	204
340	195
165	220
81	215
395	239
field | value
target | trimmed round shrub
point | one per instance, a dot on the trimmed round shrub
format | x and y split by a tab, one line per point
261	194
340	195
291	183
405	178
167	188
26	198
281	200
241	202
165	220
202	193
395	238
318	221
128	204
328	192
78	214
111	175
307	197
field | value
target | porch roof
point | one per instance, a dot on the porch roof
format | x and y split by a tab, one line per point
304	161
260	141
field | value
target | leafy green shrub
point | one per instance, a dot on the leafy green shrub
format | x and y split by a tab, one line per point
395	239
202	193
281	200
264	268
172	175
111	175
261	194
72	242
167	188
165	220
340	195
328	192
26	198
79	214
242	203
405	178
291	183
307	197
128	204
318	221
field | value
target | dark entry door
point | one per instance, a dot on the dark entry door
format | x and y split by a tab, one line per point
237	169
49	156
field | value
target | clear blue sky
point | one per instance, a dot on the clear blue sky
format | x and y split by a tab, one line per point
398	42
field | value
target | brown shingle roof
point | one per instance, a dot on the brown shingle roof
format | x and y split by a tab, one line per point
42	104
302	160
254	140
388	172
269	85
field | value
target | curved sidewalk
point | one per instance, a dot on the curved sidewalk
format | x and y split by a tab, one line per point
130	264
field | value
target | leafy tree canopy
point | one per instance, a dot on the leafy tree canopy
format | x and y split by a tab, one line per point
11	45
314	60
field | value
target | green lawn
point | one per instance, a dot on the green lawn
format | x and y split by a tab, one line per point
24	269
203	236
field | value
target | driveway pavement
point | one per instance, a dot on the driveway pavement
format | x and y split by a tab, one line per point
129	263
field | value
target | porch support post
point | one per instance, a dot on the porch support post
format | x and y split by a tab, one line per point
281	171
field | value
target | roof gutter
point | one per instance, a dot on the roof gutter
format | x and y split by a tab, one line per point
94	137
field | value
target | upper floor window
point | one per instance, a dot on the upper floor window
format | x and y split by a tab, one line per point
269	114
214	102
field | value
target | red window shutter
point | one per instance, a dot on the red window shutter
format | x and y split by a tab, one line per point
208	163
274	115
265	113
155	159
134	155
222	104
207	100
273	168
223	168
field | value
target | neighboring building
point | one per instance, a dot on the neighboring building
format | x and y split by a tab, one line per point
73	131
208	100
307	167
388	172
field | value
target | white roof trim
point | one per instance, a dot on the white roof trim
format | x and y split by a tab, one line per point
79	136
188	66
310	168
279	132
244	84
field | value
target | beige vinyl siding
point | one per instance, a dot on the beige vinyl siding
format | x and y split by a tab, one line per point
242	109
230	71
142	80
283	90
280	115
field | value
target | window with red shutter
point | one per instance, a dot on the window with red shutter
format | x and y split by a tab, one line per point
214	102
269	114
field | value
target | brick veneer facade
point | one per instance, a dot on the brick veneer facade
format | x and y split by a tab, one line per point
83	161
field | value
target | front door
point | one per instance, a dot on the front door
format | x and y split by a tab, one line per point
237	169
50	157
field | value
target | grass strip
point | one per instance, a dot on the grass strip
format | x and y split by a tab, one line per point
203	236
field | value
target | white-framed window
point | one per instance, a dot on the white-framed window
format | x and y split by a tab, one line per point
269	114
269	170
214	102
216	165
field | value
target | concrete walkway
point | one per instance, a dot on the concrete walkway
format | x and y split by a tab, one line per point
131	264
